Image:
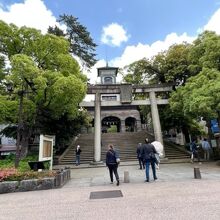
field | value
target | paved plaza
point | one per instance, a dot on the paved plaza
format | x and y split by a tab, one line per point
176	195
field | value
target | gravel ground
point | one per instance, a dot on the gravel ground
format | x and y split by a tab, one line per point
176	195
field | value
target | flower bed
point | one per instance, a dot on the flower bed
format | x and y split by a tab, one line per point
12	180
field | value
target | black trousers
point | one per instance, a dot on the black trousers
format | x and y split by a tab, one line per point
113	168
141	162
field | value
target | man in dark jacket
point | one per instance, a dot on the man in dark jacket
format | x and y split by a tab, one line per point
148	154
139	156
112	164
194	151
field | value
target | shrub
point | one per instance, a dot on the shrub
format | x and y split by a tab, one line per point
8	162
6	173
18	175
9	173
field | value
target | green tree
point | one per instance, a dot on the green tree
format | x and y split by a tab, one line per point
44	76
168	66
136	73
2	68
177	63
200	97
64	127
81	43
205	52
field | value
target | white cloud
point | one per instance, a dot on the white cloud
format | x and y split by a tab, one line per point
114	34
213	24
31	13
136	52
139	51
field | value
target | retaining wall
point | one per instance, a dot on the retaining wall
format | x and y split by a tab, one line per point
57	181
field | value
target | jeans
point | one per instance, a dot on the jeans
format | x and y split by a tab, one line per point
152	163
77	159
195	154
206	154
113	168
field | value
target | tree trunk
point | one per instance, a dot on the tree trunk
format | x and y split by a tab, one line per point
22	146
25	142
210	135
19	131
186	134
23	134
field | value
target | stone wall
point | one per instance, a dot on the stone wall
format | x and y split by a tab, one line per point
58	181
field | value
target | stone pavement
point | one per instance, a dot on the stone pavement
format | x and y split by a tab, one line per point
167	172
176	195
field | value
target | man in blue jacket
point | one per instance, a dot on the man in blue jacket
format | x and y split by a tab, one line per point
148	154
207	148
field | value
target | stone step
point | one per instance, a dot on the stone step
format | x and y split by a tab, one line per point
125	143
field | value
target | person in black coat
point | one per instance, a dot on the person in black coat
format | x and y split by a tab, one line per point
78	152
112	164
148	154
139	156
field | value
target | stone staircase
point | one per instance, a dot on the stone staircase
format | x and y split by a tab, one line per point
125	143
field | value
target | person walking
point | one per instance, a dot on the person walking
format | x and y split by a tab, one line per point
78	152
111	163
207	148
159	148
148	154
194	151
139	156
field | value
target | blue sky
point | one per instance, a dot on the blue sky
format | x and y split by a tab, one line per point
125	30
145	21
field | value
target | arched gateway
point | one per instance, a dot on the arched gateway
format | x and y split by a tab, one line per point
111	122
114	105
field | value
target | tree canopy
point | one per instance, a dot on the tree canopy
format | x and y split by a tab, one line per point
81	43
168	66
41	70
200	96
194	68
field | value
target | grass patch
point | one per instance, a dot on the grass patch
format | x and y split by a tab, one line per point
9	161
112	129
9	173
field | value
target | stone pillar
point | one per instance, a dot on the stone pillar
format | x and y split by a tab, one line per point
122	126
97	125
156	119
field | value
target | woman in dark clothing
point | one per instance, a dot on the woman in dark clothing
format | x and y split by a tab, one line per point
112	164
